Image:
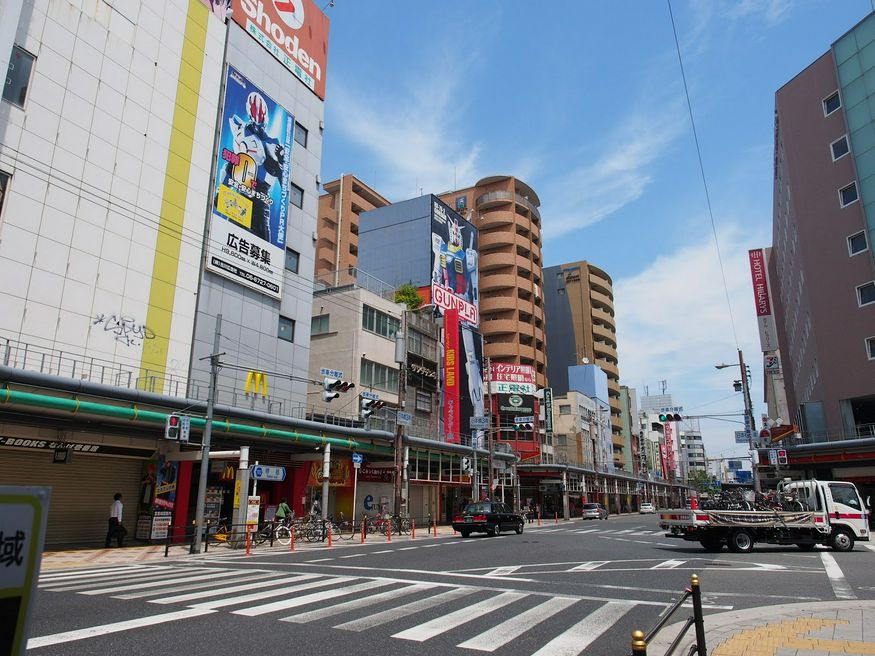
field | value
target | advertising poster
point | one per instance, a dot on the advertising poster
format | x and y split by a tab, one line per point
218	8
251	192
765	318
471	390
454	278
339	474
165	483
515	405
295	32
452	421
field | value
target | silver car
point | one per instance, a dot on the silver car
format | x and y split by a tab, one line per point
594	511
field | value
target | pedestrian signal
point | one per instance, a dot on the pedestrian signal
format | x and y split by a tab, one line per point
172	427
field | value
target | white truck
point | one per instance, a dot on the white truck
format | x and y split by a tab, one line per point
832	513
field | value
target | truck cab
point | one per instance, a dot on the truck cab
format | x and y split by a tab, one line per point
834	503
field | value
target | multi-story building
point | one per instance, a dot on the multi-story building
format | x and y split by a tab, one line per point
337	230
581	329
158	166
693	447
821	266
630	429
505	211
822	243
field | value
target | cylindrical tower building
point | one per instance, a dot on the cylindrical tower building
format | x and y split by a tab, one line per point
505	211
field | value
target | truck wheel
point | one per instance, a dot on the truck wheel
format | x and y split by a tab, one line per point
711	544
806	546
740	541
842	540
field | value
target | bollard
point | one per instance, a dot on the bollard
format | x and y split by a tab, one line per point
329	535
639	647
363	531
412	529
698	616
557	517
389	529
292	531
435	528
248	541
539	519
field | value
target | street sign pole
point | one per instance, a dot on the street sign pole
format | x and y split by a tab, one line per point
255	482
356	464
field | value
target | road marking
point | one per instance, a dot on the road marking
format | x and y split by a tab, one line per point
502	571
870	547
343	607
264	594
576	639
372	553
591	565
195	586
285	604
358	555
408	548
403	611
85	581
158	584
322	560
439	625
508	630
90	573
626	531
840	585
669	564
588	530
115	627
234	588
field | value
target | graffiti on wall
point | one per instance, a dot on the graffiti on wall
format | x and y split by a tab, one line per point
124	329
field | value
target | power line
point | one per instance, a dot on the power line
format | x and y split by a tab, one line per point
702	171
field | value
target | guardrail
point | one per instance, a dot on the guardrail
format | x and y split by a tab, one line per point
640	640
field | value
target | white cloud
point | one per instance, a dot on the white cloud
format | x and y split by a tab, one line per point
673	324
771	12
620	174
412	135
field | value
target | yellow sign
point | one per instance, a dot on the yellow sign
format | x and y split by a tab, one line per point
235	206
254	381
236	494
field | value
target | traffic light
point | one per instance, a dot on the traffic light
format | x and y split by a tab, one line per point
523	425
332	387
466	464
367	406
782	457
172	427
670	416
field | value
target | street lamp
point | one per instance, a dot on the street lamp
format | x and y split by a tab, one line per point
749	422
401	360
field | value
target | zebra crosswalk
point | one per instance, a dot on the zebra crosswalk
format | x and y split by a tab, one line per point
404	610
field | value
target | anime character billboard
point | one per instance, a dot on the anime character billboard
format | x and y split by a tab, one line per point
251	193
454	291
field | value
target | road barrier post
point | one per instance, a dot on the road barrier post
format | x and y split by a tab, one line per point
248	541
639	646
363	531
698	616
412	529
539	519
292	531
329	535
435	528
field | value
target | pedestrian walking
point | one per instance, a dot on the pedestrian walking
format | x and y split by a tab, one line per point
115	528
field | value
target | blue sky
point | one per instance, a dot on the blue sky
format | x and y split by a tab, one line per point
584	101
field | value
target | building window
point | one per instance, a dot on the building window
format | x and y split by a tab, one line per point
423	400
378	376
839	148
561	440
292	260
301	134
380	323
857	243
4	185
286	329
296	195
18	76
870	347
319	324
848	195
866	294
831	103
564	409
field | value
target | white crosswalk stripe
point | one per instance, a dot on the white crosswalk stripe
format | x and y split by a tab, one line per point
387	601
669	564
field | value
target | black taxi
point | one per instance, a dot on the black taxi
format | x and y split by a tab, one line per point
490	517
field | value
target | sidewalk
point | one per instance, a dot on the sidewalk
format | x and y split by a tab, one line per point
70	558
811	629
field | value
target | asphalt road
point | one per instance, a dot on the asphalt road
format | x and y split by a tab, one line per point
575	587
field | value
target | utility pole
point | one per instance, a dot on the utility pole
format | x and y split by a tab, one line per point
205	448
401	359
749	423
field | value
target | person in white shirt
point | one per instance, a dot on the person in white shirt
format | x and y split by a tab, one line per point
115	528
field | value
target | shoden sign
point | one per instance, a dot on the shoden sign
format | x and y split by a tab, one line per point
295	32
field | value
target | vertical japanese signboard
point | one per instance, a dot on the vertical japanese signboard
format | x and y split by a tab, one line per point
548	409
23	512
251	193
765	318
452	421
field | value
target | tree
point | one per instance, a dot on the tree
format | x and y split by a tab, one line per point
699	481
409	295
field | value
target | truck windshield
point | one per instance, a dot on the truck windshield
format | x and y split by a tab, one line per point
846	494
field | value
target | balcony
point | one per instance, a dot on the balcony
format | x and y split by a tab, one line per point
495	281
505	351
605	317
496	219
602	301
496	304
494	239
605	351
499	327
604	334
497	260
